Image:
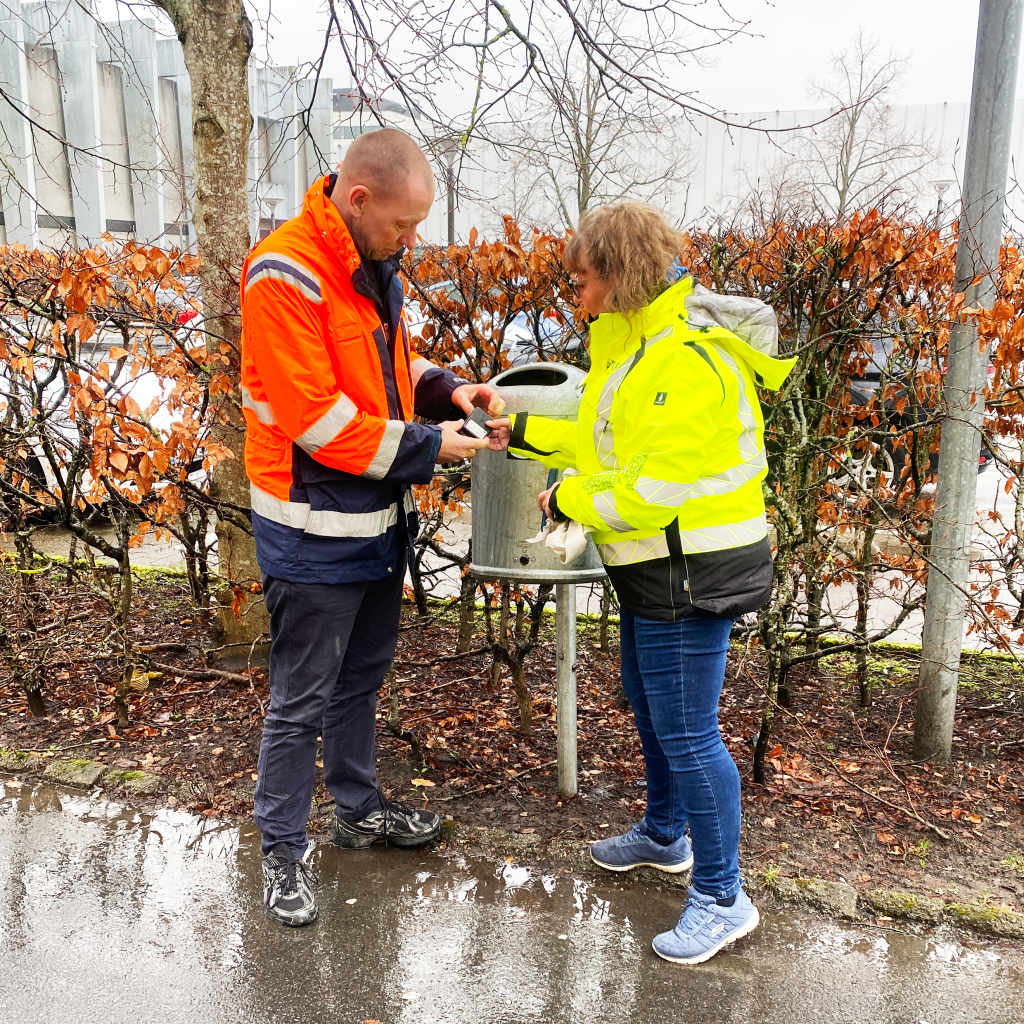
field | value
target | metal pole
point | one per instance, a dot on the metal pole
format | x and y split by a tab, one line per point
565	640
981	221
451	199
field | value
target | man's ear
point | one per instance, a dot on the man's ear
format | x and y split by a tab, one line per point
357	197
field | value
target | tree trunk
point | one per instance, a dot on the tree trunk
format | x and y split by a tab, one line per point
419	594
501	642
488	620
537	610
36	703
520	615
192	533
815	600
23	545
522	698
776	672
31	680
861	627
123	614
783	697
395	721
773	638
217	40
1018	619
467	614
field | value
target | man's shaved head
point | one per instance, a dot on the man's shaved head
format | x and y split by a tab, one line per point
384	160
384	191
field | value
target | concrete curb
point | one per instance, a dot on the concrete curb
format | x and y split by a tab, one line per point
82	773
79	772
19	761
835	898
135	782
1002	922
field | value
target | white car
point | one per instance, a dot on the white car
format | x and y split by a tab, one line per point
520	343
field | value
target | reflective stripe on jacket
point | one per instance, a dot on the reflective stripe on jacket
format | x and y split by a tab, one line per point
331	447
669	432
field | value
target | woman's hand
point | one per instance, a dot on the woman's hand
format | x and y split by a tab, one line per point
543	498
501	430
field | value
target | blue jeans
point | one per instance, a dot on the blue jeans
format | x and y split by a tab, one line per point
672	673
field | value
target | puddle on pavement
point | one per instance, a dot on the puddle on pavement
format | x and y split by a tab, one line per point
133	917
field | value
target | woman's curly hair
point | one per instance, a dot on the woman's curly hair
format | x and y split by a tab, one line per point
629	243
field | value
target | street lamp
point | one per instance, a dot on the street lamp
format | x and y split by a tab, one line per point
940	190
272	205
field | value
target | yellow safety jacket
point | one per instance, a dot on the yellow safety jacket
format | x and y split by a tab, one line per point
668	446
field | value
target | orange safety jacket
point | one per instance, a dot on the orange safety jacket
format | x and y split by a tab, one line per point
331	445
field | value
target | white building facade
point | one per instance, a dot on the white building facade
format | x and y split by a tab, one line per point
725	163
96	138
96	133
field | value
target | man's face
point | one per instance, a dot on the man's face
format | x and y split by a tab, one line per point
381	224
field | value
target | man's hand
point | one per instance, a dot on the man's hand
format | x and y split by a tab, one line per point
501	431
455	446
478	396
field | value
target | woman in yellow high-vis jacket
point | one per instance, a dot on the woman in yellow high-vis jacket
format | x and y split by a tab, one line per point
669	460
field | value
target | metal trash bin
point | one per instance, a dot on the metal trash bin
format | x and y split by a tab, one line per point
504	490
505	514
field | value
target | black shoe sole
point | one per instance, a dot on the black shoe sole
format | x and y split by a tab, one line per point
415	844
348	842
271	916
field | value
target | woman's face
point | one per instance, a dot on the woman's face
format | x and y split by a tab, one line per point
591	290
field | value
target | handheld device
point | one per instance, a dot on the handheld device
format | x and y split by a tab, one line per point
476	424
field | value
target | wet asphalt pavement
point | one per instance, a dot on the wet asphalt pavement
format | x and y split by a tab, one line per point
108	915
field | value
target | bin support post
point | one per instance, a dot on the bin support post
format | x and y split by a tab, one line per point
565	640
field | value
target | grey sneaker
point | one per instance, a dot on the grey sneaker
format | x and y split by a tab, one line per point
636	850
289	888
705	928
395	823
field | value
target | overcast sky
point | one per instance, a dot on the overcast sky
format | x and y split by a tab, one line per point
790	42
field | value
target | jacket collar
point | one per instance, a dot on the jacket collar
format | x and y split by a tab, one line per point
614	336
330	228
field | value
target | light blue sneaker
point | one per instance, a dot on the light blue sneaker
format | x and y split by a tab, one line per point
637	850
705	928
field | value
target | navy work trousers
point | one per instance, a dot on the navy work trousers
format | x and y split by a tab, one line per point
331	646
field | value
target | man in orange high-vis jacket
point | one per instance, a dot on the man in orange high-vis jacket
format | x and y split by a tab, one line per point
329	390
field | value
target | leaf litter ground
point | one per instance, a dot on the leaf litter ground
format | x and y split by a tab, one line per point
843	799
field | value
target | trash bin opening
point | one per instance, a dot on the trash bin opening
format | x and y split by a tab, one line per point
533	376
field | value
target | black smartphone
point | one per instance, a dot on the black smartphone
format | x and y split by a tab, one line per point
476	424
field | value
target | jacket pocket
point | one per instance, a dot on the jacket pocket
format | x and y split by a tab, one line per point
732	582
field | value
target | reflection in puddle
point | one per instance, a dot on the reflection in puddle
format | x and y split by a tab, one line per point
122	912
516	877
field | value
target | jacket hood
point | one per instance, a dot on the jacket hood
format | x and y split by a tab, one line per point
768	371
614	334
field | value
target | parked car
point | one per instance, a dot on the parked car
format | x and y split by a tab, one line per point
520	343
885	363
